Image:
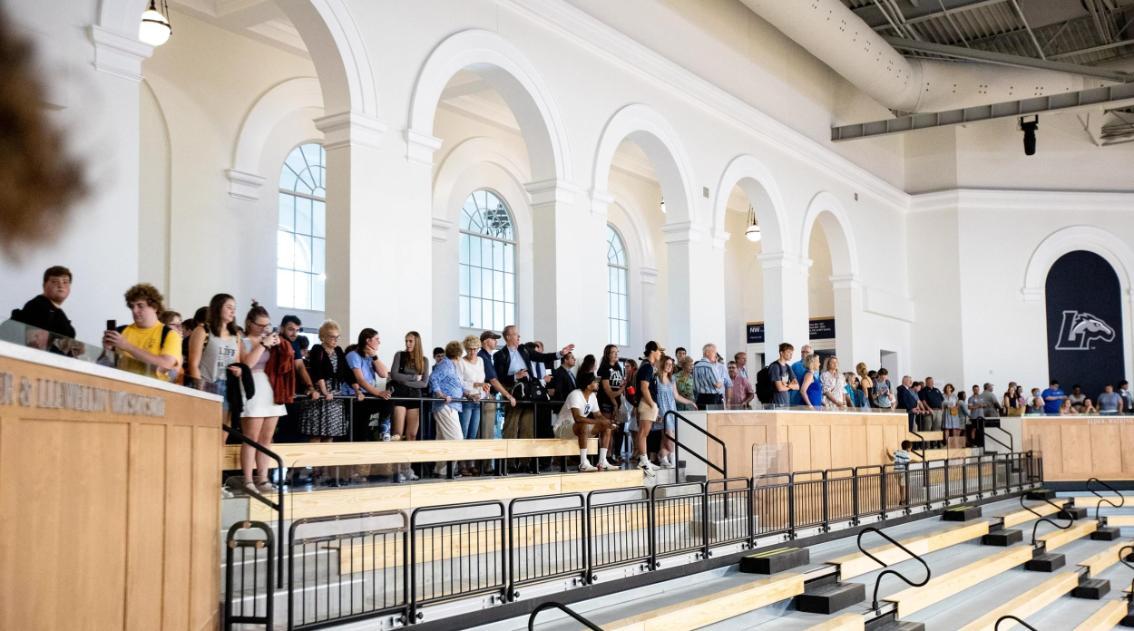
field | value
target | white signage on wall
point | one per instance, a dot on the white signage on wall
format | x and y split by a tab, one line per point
1080	331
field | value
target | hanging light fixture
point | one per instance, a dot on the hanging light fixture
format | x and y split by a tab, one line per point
662	205
155	28
752	233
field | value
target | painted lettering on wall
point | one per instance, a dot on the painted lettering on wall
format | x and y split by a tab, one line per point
51	394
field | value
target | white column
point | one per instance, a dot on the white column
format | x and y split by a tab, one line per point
848	303
569	267
648	302
785	300
696	287
379	229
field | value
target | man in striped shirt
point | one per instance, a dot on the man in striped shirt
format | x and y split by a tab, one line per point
711	384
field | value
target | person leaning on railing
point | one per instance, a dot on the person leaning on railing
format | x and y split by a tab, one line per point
445	383
322	418
214	345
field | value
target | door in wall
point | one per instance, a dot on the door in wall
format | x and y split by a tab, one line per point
889	361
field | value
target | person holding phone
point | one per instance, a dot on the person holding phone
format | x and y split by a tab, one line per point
261	412
146	346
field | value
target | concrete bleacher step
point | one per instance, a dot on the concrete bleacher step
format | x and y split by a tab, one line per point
828	596
716	607
1028	602
961	513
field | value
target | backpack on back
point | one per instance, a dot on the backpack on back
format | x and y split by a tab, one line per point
765	391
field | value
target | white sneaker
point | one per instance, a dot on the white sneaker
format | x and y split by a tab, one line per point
664	463
386	437
586	467
607	466
645	463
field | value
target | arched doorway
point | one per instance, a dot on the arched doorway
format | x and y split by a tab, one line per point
1084	322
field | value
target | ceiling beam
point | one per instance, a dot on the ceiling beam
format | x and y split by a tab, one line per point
1113	96
987	56
927	11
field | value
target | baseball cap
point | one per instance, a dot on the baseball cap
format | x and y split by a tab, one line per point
489	335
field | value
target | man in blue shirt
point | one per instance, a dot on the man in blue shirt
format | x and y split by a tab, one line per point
797	369
445	383
488	424
1053	399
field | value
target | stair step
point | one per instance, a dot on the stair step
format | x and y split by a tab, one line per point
828	599
961	513
1047	562
1002	538
774	561
889	622
1106	534
1091	588
1041	494
1073	512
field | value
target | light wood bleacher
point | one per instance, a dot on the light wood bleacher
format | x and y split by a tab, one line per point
1106	617
411	451
857	564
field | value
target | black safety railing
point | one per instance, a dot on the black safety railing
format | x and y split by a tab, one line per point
371	564
243	594
1011	446
678	422
1103	499
1126	557
565	609
920	441
278	505
890	572
1011	618
1040	518
347	567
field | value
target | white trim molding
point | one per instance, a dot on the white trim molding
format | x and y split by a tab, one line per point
350	128
243	185
118	54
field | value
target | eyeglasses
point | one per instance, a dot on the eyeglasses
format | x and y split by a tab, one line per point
263	325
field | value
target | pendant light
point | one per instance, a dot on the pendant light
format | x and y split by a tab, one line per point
752	233
155	28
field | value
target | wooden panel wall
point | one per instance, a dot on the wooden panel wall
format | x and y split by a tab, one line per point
107	521
1075	448
817	440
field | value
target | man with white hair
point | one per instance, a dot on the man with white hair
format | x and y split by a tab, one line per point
711	384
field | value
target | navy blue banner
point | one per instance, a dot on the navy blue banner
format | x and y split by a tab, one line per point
755	332
821	329
1084	323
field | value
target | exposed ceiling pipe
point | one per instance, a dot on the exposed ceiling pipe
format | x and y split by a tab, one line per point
834	34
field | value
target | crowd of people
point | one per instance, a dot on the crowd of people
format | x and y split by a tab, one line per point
494	385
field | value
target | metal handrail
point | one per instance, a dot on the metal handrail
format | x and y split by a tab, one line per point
1121	497
231	544
278	505
1013	618
920	439
1041	518
878	581
677	443
1125	559
565	609
1011	441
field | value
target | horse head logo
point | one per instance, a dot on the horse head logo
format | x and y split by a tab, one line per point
1080	330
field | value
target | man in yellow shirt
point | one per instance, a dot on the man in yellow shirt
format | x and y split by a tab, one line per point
147	346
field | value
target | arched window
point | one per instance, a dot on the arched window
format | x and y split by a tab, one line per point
301	242
487	292
617	295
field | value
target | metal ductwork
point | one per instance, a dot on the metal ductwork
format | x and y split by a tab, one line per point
835	35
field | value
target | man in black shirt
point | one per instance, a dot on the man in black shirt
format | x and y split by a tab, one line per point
45	311
935	401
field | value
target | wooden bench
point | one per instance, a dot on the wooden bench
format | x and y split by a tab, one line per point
411	451
845	622
1106	617
1119	521
1024	515
914	599
1098	563
1027	603
713	608
857	564
350	500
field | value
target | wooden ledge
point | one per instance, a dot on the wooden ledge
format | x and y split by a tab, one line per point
1060	538
1027	603
713	608
857	564
1106	617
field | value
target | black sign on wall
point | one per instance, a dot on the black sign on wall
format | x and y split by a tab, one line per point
821	329
755	332
1084	323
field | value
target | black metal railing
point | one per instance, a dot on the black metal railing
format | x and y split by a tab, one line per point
1011	618
278	505
242	595
1126	557
920	441
678	420
1040	518
370	564
1105	500
890	572
1011	446
565	609
348	567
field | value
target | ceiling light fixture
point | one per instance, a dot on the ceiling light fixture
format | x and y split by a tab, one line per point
752	233
662	205
155	28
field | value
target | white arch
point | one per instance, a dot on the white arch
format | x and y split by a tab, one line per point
509	72
1115	251
754	177
468	154
276	104
652	132
828	211
640	246
328	30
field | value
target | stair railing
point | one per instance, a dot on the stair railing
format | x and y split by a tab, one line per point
278	505
677	421
1105	500
565	609
1011	441
921	441
1125	556
1013	619
881	575
1041	518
